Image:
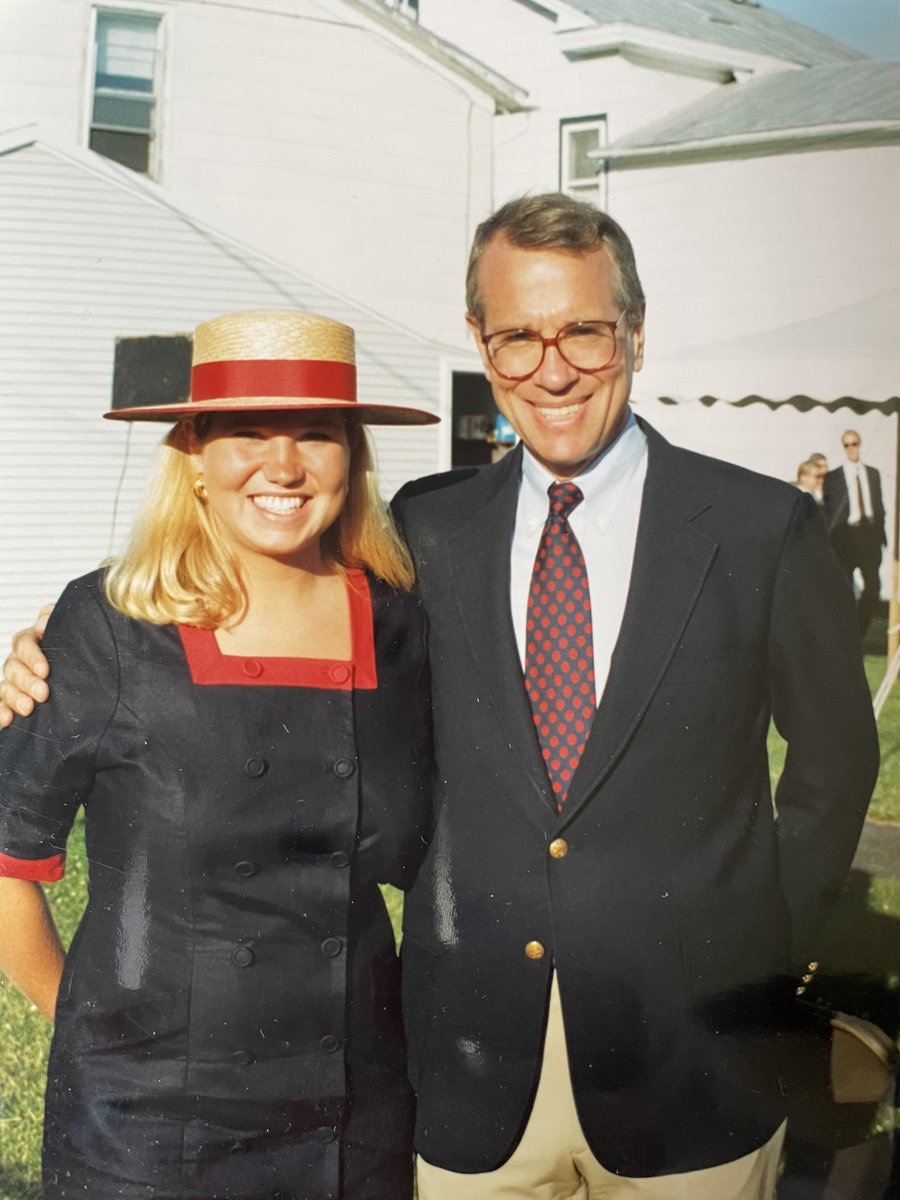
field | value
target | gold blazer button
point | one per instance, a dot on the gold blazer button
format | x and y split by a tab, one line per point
534	950
558	848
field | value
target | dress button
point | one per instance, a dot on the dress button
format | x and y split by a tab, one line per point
332	947
330	1042
324	1134
246	869
256	767
558	848
251	668
243	957
344	768
339	673
240	1058
534	950
340	859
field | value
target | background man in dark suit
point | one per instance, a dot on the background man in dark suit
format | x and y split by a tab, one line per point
854	514
603	946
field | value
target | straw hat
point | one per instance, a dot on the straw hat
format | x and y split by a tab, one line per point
274	359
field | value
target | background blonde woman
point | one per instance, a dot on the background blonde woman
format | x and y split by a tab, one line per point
241	708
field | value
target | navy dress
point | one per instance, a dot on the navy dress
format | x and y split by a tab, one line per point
228	1019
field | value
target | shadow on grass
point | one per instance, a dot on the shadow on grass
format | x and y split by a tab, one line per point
19	1183
859	964
875	639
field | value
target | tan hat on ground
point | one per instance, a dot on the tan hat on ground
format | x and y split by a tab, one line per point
274	359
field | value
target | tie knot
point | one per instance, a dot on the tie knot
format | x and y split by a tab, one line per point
563	498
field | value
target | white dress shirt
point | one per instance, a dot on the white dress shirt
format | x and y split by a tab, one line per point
605	523
852	472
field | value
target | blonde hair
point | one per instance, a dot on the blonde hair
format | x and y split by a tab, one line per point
178	568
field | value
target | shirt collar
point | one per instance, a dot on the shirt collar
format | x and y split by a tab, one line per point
602	482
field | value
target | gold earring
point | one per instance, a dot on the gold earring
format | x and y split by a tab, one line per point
199	489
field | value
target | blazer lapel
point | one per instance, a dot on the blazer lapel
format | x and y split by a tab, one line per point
671	562
480	551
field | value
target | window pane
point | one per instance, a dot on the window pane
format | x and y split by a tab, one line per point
124	84
126	51
581	141
130	149
122	112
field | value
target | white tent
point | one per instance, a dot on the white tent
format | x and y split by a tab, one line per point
846	358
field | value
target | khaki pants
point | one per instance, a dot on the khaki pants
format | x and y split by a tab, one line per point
553	1162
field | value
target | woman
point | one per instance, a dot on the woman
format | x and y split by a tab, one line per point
243	716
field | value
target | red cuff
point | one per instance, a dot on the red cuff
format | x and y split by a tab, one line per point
38	870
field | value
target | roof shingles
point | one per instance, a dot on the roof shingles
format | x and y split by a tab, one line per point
826	96
736	24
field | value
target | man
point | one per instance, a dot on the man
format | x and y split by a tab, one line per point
609	924
854	514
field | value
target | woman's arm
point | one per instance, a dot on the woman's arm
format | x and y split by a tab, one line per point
31	954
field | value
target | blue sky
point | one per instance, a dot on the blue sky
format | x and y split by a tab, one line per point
869	25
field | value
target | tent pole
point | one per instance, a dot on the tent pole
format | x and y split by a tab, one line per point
894	604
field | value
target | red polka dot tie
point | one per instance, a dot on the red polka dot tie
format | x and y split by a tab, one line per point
559	654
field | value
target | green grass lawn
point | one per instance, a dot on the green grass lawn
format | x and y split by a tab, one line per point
24	1034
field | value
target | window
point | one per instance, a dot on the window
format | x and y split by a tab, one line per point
409	8
125	82
580	174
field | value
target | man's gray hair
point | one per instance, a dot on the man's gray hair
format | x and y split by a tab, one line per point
553	221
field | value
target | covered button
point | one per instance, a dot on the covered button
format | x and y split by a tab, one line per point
243	956
252	668
339	673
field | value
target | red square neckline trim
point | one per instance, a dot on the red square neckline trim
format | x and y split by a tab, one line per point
209	666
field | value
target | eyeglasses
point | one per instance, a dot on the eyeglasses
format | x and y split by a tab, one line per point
584	345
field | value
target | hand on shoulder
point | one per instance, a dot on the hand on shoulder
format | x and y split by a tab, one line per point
25	672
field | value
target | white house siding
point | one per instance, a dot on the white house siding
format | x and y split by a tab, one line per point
524	46
89	255
301	128
729	247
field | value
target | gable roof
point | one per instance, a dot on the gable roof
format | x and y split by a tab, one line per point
507	96
851	103
92	252
740	25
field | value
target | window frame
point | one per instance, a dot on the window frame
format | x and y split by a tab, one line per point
594	187
159	15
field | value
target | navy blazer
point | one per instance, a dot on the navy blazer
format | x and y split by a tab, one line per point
683	908
836	502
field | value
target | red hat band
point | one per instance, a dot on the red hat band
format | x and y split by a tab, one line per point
236	379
